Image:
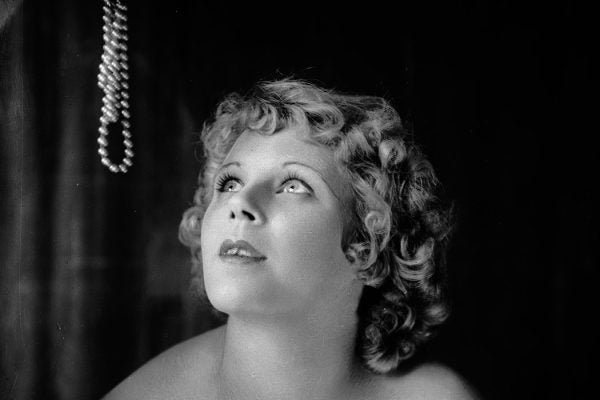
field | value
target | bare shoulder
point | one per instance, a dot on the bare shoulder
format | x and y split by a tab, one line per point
174	373
430	382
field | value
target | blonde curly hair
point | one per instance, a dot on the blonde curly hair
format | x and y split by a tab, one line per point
398	228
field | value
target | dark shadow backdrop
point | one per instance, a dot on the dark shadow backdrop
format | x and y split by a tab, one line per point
500	94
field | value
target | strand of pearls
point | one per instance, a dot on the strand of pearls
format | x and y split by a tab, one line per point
112	79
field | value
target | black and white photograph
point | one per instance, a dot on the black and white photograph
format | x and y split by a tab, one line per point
295	201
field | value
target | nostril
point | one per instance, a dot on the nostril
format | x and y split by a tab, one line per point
249	215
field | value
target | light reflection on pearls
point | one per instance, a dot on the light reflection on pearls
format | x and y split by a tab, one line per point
112	79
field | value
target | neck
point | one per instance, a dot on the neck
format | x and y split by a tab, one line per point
288	359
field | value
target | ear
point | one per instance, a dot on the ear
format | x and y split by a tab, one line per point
352	249
356	266
353	263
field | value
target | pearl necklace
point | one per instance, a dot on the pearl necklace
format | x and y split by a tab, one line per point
112	79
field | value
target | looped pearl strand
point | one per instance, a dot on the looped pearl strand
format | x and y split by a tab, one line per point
112	79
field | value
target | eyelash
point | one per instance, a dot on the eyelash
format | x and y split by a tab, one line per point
223	179
226	177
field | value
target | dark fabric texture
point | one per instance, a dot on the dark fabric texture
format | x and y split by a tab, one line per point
93	281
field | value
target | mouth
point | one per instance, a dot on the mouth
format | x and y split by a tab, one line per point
240	252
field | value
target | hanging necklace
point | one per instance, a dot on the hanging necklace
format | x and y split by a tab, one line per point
112	79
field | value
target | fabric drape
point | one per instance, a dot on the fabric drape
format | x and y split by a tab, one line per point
89	266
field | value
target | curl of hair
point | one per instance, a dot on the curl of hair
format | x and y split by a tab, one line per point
397	227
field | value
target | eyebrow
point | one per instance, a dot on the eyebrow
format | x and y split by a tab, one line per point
222	167
285	164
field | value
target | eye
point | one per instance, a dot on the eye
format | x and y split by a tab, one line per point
228	183
293	184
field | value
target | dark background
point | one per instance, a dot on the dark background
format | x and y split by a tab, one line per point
500	95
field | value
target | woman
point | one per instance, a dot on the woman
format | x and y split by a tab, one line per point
317	231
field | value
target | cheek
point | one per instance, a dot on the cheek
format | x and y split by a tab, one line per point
309	241
209	230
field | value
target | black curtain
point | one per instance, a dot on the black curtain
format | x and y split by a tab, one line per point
501	96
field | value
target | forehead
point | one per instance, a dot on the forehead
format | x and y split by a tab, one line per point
265	152
279	146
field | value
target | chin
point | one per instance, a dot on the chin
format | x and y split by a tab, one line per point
248	299
236	296
247	290
227	297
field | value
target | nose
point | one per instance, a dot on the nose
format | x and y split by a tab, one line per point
242	214
243	207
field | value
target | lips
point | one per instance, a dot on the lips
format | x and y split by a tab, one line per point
240	250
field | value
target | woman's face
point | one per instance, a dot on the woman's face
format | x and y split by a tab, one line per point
283	195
